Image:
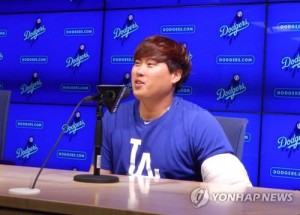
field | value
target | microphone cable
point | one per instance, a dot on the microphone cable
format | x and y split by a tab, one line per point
56	143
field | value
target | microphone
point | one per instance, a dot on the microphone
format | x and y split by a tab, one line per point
109	95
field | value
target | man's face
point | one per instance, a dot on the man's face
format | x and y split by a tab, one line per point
151	79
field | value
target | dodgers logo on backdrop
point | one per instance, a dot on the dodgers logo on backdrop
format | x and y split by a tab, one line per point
189	52
130	26
29	149
292	64
237	25
291	142
230	93
80	56
37	30
76	125
34	84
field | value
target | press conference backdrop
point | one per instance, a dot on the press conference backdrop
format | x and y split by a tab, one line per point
245	57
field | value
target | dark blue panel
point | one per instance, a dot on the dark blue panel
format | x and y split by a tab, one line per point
280	152
222	2
42	56
29	6
158	3
282	88
44	124
135	3
251	144
219	49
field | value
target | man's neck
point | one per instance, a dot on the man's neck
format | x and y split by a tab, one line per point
149	112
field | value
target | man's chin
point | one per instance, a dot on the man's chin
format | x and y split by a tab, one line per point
138	95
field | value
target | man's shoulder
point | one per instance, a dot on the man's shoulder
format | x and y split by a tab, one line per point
188	106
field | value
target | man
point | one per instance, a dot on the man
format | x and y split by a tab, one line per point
161	135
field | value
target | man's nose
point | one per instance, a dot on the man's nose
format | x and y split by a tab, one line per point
140	70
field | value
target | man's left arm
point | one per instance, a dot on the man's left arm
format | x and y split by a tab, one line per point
225	169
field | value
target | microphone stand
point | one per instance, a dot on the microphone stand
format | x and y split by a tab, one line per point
96	177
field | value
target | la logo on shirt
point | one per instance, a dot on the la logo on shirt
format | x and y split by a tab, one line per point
144	163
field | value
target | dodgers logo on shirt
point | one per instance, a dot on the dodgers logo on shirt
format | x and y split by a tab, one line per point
232	30
230	93
35	32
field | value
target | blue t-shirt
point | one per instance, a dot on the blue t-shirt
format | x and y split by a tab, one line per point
172	146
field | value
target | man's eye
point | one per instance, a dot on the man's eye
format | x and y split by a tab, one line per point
152	63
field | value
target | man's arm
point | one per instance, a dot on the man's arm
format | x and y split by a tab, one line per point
224	169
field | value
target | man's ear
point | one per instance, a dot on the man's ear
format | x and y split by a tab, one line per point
176	76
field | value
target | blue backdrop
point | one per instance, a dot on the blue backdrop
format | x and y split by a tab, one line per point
245	57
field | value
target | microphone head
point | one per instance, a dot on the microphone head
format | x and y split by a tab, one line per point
109	95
